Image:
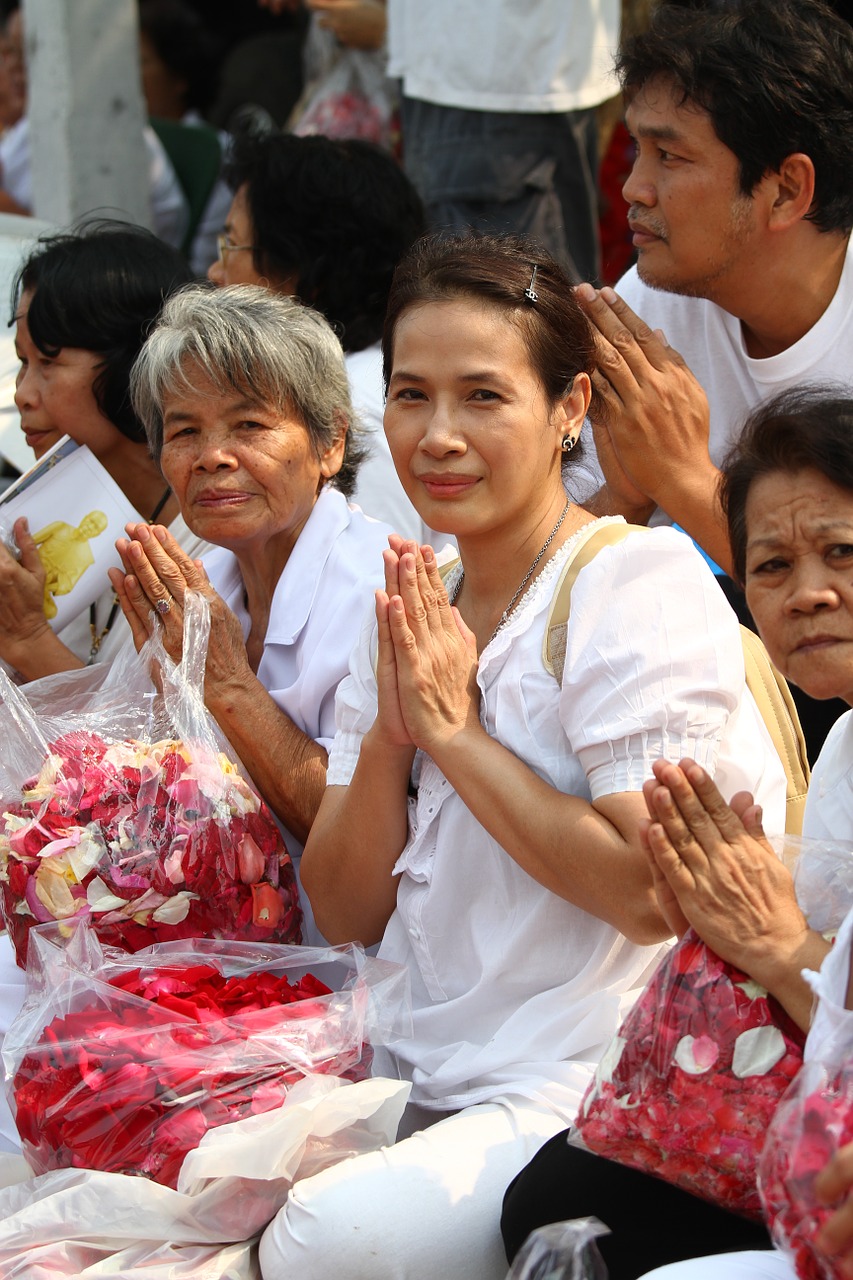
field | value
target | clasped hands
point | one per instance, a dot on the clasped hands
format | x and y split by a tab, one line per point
22	587
157	574
427	661
651	435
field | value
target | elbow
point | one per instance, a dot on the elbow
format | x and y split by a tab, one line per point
644	924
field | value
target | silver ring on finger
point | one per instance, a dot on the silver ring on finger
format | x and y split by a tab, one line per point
163	605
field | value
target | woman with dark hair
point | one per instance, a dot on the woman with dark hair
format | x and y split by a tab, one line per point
83	306
327	221
787	491
505	871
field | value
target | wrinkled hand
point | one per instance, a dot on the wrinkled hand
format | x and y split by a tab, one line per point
358	24
721	871
653	435
22	619
157	571
836	1235
434	654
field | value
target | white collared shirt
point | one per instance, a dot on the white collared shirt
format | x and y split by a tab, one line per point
516	990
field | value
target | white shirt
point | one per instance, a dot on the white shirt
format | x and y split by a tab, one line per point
315	619
501	55
514	989
711	342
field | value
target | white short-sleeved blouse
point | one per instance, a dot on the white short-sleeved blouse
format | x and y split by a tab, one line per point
515	989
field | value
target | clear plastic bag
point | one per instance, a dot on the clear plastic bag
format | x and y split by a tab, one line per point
348	93
561	1251
123	1063
77	1222
121	805
813	1120
687	1088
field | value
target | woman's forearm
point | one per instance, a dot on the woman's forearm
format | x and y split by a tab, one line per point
359	833
587	854
287	767
780	971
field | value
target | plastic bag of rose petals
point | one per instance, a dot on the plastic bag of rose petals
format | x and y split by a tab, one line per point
122	1063
78	1222
121	806
688	1087
813	1120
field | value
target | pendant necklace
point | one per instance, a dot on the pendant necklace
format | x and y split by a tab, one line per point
508	611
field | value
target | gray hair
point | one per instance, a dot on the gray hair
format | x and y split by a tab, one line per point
262	345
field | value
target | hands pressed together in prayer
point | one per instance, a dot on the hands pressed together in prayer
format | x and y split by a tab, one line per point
427	662
157	574
652	432
714	869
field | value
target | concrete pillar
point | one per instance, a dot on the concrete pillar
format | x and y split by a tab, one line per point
86	110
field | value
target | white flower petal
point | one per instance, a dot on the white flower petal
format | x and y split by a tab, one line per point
757	1050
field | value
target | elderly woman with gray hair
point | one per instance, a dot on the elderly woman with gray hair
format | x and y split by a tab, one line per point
244	397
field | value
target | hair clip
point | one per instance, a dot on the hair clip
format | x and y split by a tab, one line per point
530	293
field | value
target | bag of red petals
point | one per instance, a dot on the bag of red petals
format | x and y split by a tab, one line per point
122	806
688	1087
813	1120
122	1063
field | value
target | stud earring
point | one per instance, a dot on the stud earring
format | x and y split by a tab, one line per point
569	442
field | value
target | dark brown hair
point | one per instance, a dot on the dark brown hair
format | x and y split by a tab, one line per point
807	428
495	270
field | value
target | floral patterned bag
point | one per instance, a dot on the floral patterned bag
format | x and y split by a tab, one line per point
688	1087
121	805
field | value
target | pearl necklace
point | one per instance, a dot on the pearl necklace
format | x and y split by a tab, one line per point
508	611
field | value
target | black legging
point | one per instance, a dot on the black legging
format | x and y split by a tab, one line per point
651	1222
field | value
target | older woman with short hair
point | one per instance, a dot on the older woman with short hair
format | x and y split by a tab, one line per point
245	401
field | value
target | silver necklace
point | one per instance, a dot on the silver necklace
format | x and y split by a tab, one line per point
508	611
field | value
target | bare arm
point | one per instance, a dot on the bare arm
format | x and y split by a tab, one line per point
652	437
287	767
716	867
27	641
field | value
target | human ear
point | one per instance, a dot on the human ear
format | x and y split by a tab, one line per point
332	459
791	190
571	409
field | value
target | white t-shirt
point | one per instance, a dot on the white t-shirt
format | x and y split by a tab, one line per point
711	342
514	989
315	618
501	55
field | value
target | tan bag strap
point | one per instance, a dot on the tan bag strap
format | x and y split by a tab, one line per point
589	544
778	710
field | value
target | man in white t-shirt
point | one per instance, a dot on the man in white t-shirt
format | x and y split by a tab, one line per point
498	114
741	202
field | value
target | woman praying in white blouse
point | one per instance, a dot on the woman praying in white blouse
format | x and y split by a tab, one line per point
481	819
245	402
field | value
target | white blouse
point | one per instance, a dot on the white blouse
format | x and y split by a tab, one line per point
516	990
